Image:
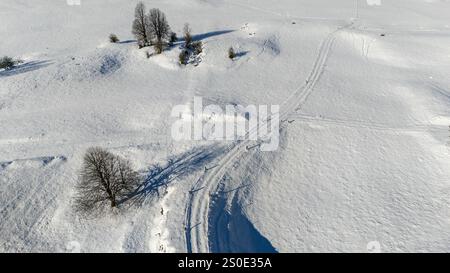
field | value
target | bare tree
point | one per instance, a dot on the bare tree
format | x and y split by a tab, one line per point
187	35
104	178
141	25
158	26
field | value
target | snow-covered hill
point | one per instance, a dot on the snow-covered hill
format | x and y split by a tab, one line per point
364	104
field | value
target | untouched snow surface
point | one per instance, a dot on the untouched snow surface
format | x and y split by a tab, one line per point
364	104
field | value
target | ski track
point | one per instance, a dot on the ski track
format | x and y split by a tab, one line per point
198	205
365	125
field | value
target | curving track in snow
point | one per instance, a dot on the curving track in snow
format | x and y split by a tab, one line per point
197	210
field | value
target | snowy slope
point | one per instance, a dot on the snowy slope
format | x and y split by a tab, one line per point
363	158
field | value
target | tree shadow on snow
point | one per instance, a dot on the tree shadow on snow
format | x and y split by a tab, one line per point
202	36
241	54
127	42
24	68
198	37
158	177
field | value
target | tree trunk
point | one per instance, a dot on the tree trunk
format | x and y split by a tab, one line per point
112	197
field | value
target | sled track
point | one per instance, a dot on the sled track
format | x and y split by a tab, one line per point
198	204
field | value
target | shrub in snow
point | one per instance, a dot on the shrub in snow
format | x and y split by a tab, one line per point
104	178
187	35
140	26
113	38
197	47
6	63
231	53
183	57
158	27
173	38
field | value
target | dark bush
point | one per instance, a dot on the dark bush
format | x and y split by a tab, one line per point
6	63
231	53
197	47
173	37
113	38
183	57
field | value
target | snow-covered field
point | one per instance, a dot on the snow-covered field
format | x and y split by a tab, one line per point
364	106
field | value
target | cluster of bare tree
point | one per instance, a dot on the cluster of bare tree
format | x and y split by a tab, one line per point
105	178
151	28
